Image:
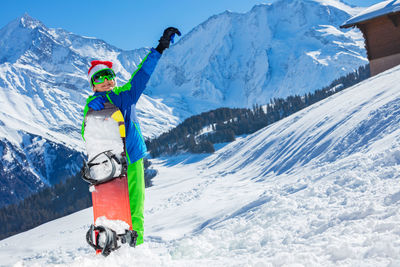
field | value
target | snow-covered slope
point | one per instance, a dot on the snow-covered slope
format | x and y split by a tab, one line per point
275	50
319	188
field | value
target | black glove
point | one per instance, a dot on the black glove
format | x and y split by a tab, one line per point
166	38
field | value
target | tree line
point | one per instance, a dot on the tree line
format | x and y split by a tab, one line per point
227	123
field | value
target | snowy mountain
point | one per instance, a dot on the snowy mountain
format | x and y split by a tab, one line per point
318	188
231	59
275	50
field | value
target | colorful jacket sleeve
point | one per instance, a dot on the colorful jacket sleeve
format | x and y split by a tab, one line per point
129	93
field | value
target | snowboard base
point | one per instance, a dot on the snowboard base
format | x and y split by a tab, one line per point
111	200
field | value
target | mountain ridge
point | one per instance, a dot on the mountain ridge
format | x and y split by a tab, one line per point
274	53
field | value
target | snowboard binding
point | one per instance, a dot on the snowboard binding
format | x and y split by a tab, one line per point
106	240
110	159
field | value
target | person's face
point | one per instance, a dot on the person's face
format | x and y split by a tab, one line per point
104	86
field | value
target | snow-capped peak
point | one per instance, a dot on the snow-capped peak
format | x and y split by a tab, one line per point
17	37
30	22
252	57
339	4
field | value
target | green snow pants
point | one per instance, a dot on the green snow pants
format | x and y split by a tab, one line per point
136	197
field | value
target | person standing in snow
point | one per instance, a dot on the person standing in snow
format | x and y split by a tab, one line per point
102	81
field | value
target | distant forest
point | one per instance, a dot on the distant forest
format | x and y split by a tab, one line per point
224	124
221	125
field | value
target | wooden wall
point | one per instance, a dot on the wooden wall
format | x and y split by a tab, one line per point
382	41
384	63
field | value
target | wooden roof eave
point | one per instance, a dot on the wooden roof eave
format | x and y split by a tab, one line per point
389	15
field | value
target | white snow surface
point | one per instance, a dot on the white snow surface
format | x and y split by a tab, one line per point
318	188
374	11
117	225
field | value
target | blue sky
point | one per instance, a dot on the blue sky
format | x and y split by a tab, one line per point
127	24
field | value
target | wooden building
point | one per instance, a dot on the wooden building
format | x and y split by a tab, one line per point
380	25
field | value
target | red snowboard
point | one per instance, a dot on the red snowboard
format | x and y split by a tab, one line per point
111	200
105	131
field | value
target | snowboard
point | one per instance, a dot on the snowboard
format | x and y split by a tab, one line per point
105	170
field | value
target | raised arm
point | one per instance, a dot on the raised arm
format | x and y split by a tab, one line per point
130	92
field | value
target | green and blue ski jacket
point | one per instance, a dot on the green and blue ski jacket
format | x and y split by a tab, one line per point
125	98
